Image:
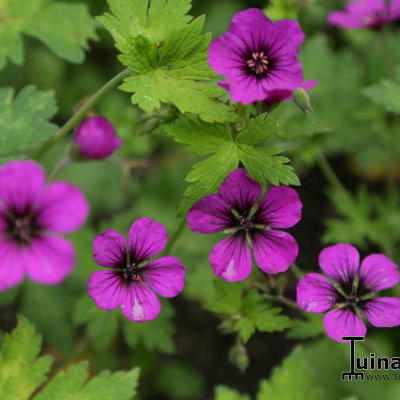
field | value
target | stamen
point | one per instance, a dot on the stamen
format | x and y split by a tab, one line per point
258	63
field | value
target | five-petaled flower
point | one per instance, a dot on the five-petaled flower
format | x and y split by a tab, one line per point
366	14
349	293
32	215
96	138
238	210
258	58
133	282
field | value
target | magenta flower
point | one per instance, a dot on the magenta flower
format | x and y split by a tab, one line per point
133	282
32	217
349	292
258	58
366	14
236	210
96	138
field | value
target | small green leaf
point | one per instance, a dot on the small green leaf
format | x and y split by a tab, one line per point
65	28
225	393
153	335
23	119
228	299
21	371
292	380
309	328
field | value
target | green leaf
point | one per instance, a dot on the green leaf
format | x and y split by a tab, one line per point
292	380
21	371
65	28
309	328
168	54
154	335
74	384
267	166
386	93
153	19
228	299
101	326
23	119
225	393
257	130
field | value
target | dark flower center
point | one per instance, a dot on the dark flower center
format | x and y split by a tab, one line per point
22	228
353	296
258	63
131	273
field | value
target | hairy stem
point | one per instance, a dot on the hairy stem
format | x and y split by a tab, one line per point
58	167
76	118
329	173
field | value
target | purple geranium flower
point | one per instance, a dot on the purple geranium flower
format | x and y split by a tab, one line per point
133	282
32	215
349	292
237	210
258	58
96	138
366	14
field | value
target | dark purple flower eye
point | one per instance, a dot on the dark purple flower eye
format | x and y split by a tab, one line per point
238	210
96	138
132	281
32	217
258	58
366	14
348	291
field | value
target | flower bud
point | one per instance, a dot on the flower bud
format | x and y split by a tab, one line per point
302	100
238	356
96	138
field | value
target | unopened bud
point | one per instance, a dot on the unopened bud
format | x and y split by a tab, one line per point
302	100
238	356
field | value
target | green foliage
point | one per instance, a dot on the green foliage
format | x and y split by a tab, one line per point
292	380
204	138
309	328
154	335
74	384
167	54
282	9
226	393
22	373
245	313
101	327
386	93
48	21
24	119
365	218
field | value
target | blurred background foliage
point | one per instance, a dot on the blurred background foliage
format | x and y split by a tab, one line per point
182	354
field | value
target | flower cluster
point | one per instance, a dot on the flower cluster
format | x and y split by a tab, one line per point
239	210
366	14
33	215
348	290
259	58
132	282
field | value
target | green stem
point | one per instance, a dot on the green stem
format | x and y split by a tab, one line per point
280	299
58	167
76	118
175	236
297	271
329	173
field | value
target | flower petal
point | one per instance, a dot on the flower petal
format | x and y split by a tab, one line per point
248	18
11	264
274	251
340	262
140	303
231	258
343	322
377	272
146	239
105	288
109	249
315	293
49	259
166	276
62	207
20	184
239	191
383	312
280	208
209	215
